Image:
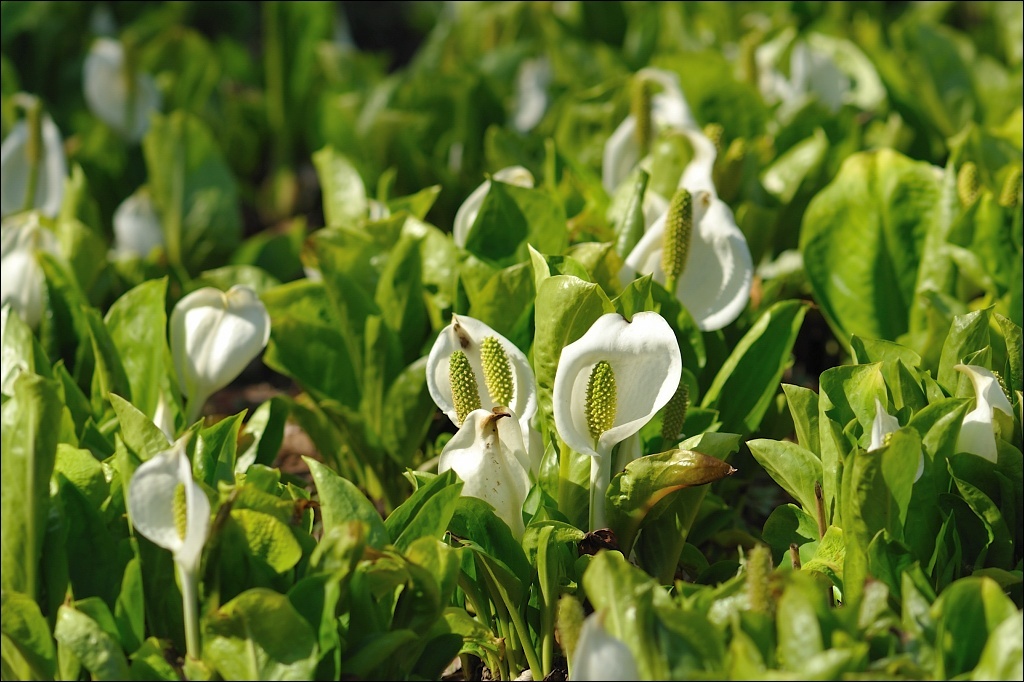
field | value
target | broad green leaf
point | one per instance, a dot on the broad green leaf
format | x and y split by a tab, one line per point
268	539
306	344
794	468
512	217
341	501
862	238
149	662
1003	655
400	293
969	333
137	322
803	406
787	525
344	194
566	308
223	278
31	418
965	614
647	480
88	535
91	644
139	433
193	189
129	608
259	635
474	520
829	556
109	375
749	379
214	457
505	303
798	618
410	411
28	634
20	351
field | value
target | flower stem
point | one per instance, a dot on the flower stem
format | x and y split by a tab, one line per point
600	478
190	607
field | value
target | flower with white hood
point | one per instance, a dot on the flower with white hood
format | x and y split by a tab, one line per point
32	164
489	455
882	426
22	282
601	656
609	383
137	229
979	427
214	335
707	264
471	366
116	92
170	509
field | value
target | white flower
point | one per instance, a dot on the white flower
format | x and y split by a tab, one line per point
531	93
214	335
500	376
137	229
467	213
118	95
17	162
884	424
608	384
600	656
715	284
489	455
978	430
171	510
832	70
669	110
22	282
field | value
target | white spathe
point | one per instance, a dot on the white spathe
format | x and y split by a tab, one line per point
646	363
151	506
669	110
881	426
600	656
978	430
467	334
715	286
122	99
470	208
645	359
531	99
489	455
22	282
16	165
137	229
214	336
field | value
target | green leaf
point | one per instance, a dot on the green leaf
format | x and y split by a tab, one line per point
268	539
306	344
649	479
262	435
749	378
788	525
149	662
965	614
399	296
28	634
794	468
968	334
862	240
31	420
512	217
193	189
341	501
214	457
137	323
109	375
1003	655
259	635
475	521
344	194
410	411
803	406
91	643
566	308
140	434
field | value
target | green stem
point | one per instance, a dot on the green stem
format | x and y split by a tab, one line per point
600	478
34	151
523	634
564	469
480	605
190	607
